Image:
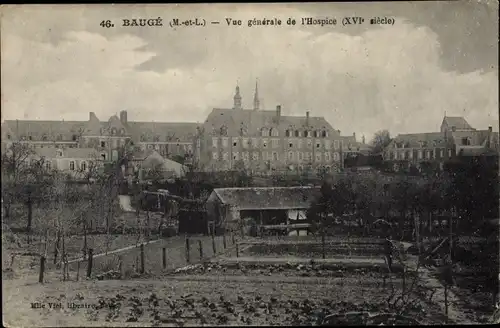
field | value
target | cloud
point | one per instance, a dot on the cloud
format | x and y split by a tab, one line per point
384	78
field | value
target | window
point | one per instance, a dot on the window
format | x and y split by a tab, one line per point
215	155
9	136
318	144
290	155
156	138
297	133
290	144
225	142
113	131
122	131
288	133
236	156
255	156
327	144
235	142
245	156
83	166
466	141
59	153
255	142
299	143
264	143
264	132
441	153
324	134
307	134
318	157
72	165
336	144
449	152
276	143
103	144
327	156
48	165
336	156
419	154
300	155
103	157
225	156
309	144
395	155
215	142
275	156
244	142
271	132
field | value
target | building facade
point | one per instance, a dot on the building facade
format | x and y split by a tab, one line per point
104	138
268	141
455	138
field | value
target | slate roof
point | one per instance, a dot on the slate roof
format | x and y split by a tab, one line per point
477	137
269	198
458	122
432	139
250	122
82	153
65	130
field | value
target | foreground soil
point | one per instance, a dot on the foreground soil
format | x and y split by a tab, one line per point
212	297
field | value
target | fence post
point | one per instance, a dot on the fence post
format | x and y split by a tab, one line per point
200	245
237	250
187	251
42	269
164	257
89	264
213	244
120	267
232	239
142	258
323	244
224	241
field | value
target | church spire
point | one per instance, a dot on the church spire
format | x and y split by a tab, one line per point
256	102
237	98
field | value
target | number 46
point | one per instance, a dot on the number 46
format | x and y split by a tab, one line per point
106	23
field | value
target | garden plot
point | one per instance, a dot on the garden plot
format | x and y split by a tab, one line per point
184	300
315	250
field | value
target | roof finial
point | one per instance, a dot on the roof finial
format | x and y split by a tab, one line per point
256	103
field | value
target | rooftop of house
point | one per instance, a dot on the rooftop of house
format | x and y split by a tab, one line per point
268	197
247	122
72	130
458	122
78	153
417	140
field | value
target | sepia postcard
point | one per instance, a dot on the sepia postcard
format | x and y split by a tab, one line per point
272	164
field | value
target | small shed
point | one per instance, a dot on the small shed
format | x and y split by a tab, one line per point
257	210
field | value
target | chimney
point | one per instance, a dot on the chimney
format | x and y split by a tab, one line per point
123	116
363	139
354	135
278	113
453	128
490	135
307	118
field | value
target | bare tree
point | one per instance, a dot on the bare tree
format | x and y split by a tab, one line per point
380	140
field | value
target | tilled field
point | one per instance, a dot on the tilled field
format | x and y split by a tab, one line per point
192	301
315	250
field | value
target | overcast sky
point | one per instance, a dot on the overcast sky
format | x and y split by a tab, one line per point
58	63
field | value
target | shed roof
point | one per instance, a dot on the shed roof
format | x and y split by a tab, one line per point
268	197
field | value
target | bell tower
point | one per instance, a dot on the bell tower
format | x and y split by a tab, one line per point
237	98
256	103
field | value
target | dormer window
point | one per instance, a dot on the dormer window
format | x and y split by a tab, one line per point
30	138
324	134
466	141
74	137
122	131
307	134
297	133
288	133
113	131
316	134
143	138
44	137
59	152
271	132
264	132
